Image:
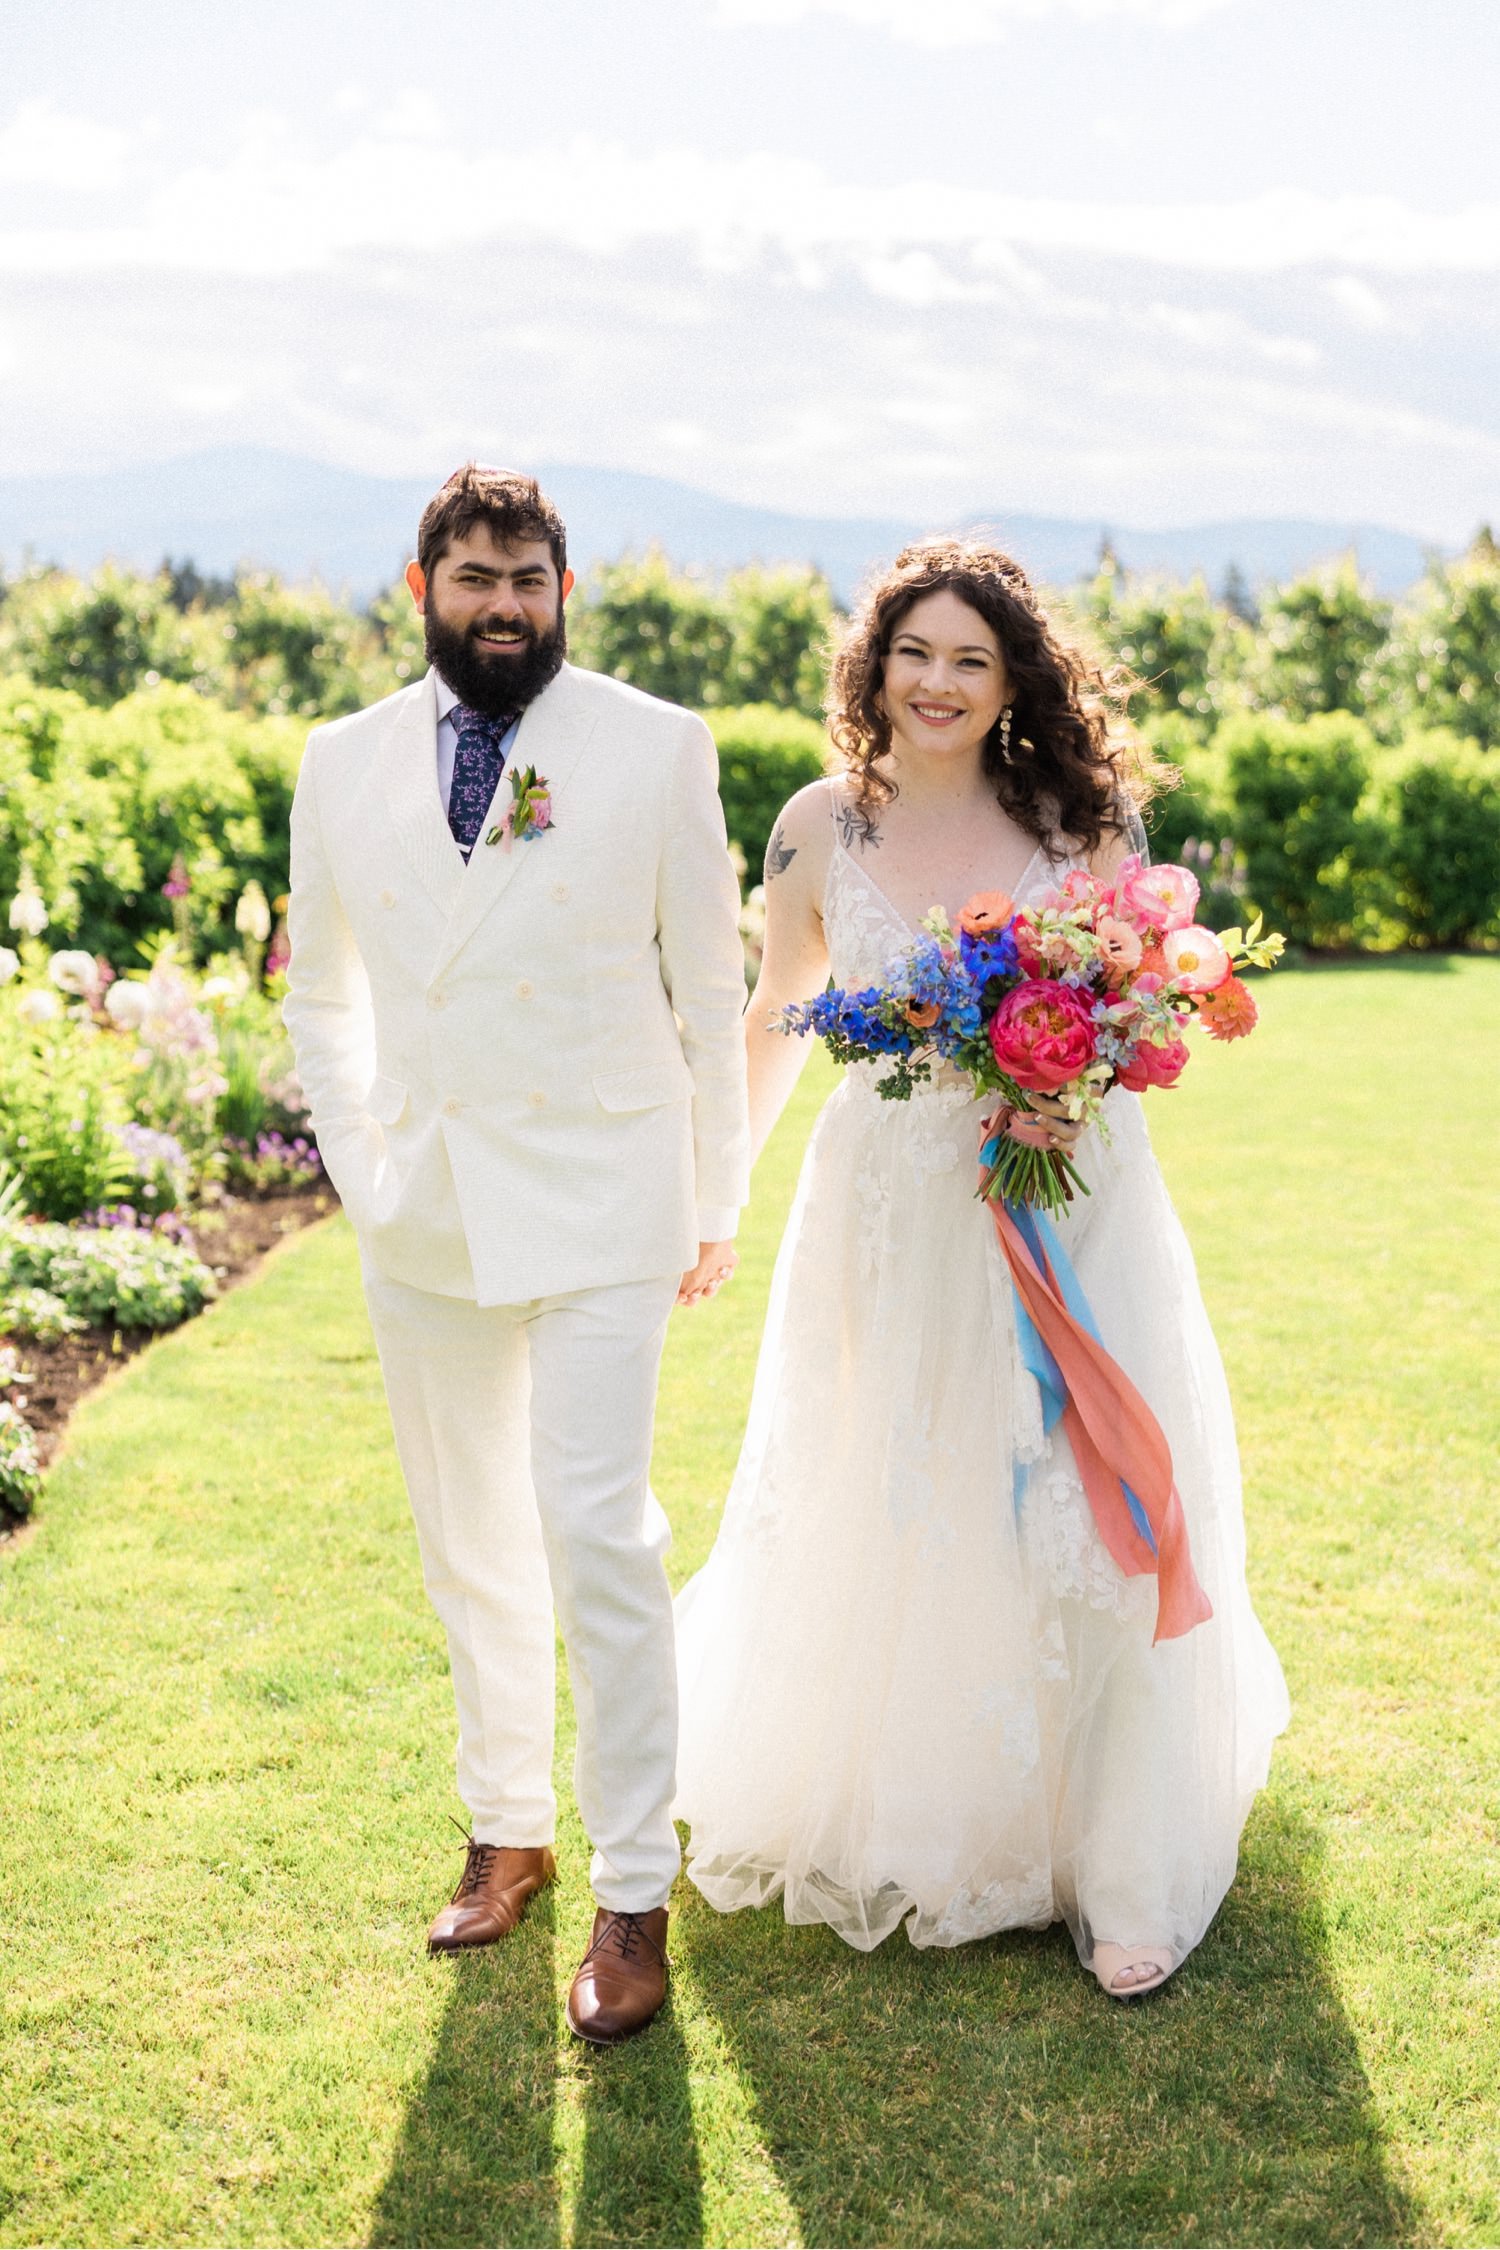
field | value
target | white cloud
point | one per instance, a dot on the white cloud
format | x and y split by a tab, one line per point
270	207
42	146
955	23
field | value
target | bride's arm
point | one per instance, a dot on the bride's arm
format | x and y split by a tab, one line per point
795	962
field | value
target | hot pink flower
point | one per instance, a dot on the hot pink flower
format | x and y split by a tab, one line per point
1042	1035
1155	898
1119	947
1154	1066
1195	958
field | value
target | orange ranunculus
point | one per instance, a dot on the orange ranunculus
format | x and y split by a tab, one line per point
984	912
922	1014
1228	1012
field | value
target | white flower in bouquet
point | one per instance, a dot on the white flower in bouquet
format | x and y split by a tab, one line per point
10	963
76	972
252	916
39	1007
28	914
127	1005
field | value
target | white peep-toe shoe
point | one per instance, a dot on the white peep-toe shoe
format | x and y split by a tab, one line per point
1129	1972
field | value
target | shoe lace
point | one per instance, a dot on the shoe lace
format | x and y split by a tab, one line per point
623	1934
481	1857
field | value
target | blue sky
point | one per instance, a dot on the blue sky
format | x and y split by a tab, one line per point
1149	261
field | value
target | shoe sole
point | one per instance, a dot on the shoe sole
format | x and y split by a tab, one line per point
614	2039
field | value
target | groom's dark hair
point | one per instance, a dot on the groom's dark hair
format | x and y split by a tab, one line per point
514	507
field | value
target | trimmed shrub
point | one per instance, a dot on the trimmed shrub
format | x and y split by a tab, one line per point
1441	802
1313	852
765	756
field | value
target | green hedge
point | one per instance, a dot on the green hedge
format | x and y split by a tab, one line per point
765	756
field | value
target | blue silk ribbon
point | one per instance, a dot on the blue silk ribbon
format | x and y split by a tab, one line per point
1041	1239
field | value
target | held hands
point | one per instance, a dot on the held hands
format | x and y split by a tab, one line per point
716	1262
1044	1124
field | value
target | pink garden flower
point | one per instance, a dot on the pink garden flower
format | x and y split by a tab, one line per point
1154	1065
1042	1035
1155	898
1119	948
1195	958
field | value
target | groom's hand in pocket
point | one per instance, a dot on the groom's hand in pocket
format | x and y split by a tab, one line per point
716	1262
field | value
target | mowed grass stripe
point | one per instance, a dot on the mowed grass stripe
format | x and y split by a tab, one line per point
227	1753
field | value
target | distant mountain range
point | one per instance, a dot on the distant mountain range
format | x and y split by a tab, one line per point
304	519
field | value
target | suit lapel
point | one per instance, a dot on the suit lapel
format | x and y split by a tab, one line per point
408	774
551	737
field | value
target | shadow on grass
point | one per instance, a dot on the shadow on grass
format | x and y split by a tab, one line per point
642	2182
477	2158
476	2161
992	2095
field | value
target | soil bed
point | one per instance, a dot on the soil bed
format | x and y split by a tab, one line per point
231	1237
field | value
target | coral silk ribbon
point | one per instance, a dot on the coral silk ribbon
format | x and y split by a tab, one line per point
1116	1440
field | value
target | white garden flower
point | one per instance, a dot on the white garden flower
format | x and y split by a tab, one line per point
127	1005
74	972
28	914
218	988
39	1007
252	916
10	963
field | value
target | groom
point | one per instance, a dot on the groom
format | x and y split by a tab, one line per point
515	990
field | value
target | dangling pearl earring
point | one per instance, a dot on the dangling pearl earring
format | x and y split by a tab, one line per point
1005	732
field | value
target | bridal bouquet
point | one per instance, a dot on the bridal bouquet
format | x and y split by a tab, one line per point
1091	987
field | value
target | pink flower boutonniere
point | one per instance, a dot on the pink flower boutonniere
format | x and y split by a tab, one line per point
529	813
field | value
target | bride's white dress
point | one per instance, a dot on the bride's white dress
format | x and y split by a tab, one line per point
907	1693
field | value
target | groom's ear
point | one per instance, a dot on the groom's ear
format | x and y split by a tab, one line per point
416	580
568	583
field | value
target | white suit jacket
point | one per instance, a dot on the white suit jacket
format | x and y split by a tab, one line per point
526	1075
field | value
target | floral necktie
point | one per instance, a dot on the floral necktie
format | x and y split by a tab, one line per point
477	762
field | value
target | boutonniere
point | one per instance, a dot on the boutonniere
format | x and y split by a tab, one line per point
529	813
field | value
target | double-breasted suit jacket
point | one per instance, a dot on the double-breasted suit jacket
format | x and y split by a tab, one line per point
525	1074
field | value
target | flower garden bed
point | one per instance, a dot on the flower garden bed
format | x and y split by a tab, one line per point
153	1146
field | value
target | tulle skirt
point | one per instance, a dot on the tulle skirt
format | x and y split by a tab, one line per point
914	1686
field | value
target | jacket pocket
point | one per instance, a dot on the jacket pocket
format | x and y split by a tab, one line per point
647	1087
386	1100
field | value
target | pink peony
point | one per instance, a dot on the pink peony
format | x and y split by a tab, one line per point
1195	958
1042	1035
1155	898
1154	1066
1119	948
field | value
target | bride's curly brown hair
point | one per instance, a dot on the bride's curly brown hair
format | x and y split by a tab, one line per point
1073	768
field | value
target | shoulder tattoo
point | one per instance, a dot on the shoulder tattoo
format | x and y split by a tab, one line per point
858	825
779	853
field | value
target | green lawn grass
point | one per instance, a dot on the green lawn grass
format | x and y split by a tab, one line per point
226	1761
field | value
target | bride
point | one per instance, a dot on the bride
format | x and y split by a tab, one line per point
914	1686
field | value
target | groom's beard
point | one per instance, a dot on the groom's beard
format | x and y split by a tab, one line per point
496	686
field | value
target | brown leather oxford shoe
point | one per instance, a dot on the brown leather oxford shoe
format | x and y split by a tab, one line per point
493	1889
622	1980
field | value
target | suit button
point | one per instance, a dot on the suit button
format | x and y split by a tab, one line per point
525	989
559	892
387	898
437	999
453	1109
537	1099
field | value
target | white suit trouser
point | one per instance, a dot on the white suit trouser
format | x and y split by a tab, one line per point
524	1435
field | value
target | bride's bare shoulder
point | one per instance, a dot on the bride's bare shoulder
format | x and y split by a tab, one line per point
803	829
